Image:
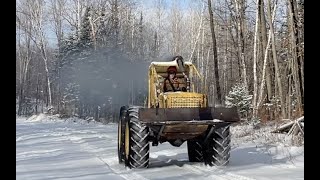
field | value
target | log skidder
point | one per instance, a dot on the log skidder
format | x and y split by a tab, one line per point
176	116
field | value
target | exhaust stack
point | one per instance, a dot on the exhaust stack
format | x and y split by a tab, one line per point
180	63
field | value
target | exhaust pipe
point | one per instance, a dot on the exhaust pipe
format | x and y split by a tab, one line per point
180	63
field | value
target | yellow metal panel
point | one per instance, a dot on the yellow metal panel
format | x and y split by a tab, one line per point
185	99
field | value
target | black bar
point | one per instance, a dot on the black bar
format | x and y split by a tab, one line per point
150	115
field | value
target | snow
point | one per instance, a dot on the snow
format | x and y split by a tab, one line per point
48	147
169	63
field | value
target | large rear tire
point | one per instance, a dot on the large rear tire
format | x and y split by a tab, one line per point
136	141
217	151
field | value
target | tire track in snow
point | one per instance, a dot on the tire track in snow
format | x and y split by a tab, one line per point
109	160
221	174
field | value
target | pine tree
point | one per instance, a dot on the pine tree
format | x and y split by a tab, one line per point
70	99
85	40
64	67
238	97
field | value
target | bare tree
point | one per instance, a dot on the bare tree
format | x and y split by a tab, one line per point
197	37
24	58
274	53
36	10
34	29
215	56
297	64
264	44
57	11
74	10
115	21
255	83
240	10
263	78
159	36
175	23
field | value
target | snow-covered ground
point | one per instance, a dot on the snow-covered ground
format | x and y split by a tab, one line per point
52	148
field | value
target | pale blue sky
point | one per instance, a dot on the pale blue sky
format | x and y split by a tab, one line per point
183	3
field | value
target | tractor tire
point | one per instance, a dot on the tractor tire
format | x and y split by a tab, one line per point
121	133
217	150
195	151
136	141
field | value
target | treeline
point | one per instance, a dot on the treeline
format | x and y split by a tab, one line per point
87	58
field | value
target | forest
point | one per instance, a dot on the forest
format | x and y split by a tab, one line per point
87	58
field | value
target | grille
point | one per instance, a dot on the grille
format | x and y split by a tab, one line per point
178	102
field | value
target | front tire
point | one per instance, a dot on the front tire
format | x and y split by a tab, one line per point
121	134
137	141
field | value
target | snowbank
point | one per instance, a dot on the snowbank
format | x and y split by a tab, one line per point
56	118
275	145
261	134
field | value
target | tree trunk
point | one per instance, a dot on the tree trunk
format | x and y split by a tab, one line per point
265	62
225	69
215	56
197	38
45	59
37	93
241	41
24	67
278	78
255	55
78	18
297	59
206	79
93	33
21	82
264	44
115	21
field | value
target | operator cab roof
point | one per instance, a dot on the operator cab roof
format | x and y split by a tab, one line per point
161	67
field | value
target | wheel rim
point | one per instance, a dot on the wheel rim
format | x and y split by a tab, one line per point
119	135
127	140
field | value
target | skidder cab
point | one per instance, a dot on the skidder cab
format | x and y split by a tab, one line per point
177	112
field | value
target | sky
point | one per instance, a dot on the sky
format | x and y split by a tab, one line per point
51	148
183	3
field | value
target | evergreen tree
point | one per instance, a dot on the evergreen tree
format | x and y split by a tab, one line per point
238	97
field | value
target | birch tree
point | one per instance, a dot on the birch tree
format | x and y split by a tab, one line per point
274	54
